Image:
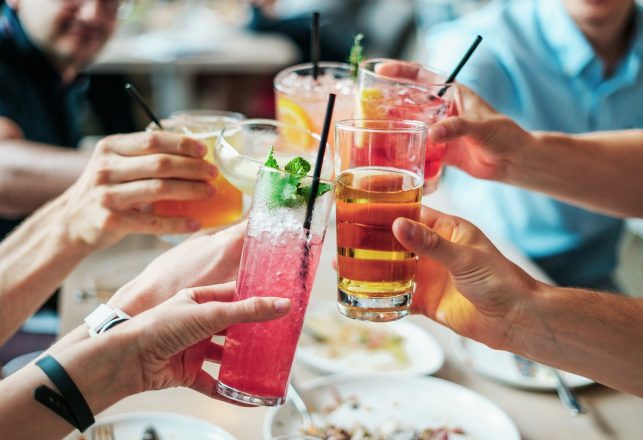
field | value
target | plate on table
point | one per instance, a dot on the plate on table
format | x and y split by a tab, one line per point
501	366
397	406
332	343
169	426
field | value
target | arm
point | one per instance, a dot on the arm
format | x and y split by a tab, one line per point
463	282
600	171
32	173
164	347
102	207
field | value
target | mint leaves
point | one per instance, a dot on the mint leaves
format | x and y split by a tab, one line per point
286	189
357	55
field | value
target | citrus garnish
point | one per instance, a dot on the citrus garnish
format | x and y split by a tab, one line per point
294	115
370	107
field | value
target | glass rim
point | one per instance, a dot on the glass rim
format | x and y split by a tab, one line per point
263	167
204	114
404	126
238	126
406	81
323	64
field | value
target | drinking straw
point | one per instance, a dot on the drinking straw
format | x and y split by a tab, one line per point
303	272
320	159
315	50
138	98
460	65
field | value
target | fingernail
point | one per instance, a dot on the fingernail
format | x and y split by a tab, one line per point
201	149
193	225
212	170
408	229
282	305
437	132
211	191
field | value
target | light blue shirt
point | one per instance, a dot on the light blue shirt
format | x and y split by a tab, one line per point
535	66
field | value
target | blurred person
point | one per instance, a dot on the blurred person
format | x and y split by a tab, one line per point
111	199
466	284
45	46
571	66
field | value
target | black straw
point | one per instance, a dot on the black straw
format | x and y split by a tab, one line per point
138	98
315	49
318	164
460	65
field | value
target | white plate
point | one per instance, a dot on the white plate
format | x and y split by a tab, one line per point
416	352
415	402
169	426
501	366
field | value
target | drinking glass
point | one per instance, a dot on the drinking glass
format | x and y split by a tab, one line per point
420	94
279	258
380	178
242	149
226	206
301	99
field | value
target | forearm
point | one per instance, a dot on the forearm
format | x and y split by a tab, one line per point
600	171
593	334
31	174
34	260
96	366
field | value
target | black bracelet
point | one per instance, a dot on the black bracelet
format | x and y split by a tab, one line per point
71	406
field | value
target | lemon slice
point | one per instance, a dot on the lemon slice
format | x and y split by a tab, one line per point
293	114
370	104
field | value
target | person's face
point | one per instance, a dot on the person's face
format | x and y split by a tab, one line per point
597	12
71	31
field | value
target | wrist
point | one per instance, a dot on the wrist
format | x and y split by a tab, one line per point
530	327
520	155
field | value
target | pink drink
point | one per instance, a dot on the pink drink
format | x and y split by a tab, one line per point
397	99
258	356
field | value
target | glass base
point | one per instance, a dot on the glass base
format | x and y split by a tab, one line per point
250	399
431	183
376	309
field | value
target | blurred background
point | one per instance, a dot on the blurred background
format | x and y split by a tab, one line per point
223	54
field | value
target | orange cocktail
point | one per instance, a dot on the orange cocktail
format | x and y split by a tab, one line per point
226	206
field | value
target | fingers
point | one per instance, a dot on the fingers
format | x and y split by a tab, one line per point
158	166
124	196
220	292
455	229
142	223
140	144
452	128
206	384
397	70
252	310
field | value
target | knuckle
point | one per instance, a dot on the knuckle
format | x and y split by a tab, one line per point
106	199
151	142
161	164
109	221
159	187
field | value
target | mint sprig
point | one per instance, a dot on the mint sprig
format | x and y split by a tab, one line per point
357	55
286	190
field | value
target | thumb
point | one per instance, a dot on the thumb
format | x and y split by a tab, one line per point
425	242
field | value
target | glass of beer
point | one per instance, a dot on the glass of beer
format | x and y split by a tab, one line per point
379	178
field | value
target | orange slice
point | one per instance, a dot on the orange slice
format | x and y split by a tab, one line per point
293	114
370	104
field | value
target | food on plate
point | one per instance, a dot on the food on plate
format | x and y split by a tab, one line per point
388	431
335	337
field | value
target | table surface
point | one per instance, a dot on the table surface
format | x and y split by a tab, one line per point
538	415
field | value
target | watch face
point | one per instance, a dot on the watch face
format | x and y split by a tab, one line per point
104	316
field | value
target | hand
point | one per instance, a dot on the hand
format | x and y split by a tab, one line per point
462	280
126	174
199	261
173	340
481	141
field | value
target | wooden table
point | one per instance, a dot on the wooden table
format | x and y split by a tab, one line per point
538	415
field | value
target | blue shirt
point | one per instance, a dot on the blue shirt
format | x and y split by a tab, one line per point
535	66
33	95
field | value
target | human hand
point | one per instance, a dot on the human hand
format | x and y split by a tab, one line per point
199	261
172	341
462	280
126	174
480	141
